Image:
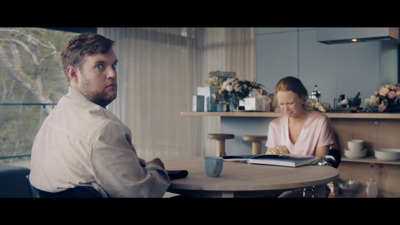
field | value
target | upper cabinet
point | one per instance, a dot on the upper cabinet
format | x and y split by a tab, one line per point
335	69
276	55
340	35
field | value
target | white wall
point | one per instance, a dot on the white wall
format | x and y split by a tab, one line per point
336	69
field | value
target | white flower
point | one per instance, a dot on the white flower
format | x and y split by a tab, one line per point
229	88
226	84
384	91
373	99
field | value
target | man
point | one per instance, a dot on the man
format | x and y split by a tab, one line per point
81	142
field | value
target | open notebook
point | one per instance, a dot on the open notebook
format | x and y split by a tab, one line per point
290	160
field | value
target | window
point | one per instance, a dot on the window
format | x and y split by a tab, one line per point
31	83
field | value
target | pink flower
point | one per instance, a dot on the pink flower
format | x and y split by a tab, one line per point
238	88
382	107
392	94
376	93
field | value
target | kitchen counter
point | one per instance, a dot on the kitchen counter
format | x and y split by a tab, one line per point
378	130
360	115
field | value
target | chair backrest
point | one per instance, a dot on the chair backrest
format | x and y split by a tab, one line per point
12	184
335	151
76	192
337	155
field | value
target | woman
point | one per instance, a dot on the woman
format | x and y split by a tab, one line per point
298	131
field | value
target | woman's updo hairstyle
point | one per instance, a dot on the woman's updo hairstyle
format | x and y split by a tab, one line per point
291	84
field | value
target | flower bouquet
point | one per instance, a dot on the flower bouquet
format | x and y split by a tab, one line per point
386	99
232	90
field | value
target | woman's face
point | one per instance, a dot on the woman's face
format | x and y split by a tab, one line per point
290	103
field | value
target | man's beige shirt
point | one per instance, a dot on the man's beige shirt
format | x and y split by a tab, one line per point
82	143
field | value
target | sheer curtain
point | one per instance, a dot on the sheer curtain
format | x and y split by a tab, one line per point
226	49
158	72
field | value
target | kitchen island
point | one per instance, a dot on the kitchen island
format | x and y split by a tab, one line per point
378	130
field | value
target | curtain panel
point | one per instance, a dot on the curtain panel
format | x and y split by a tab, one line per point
159	70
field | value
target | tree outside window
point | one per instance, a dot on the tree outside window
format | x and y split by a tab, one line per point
31	82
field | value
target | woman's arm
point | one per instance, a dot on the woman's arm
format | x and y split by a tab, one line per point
322	151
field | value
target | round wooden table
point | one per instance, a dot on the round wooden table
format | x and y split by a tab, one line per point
240	179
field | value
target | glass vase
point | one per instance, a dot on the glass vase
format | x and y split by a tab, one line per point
232	108
222	107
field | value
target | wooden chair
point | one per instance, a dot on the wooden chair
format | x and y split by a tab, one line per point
220	138
256	142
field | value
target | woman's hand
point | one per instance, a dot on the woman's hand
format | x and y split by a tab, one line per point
278	150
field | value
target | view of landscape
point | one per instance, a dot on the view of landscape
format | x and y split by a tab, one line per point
31	83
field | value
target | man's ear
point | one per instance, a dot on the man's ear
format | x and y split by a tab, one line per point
72	73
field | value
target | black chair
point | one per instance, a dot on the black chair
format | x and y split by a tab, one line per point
337	155
12	184
77	192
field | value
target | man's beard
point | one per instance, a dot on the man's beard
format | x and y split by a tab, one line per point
100	98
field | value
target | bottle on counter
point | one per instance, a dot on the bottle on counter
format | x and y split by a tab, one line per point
315	94
341	97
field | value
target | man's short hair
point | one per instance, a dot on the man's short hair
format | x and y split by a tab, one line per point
77	47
